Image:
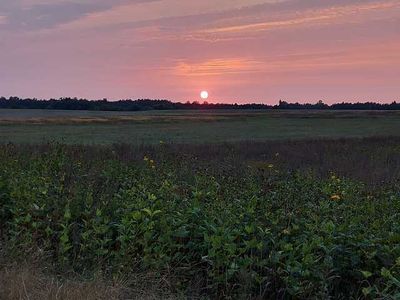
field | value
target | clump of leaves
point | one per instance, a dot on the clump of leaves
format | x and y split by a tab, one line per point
263	232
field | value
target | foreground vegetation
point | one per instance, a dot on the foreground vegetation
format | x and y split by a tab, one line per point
305	219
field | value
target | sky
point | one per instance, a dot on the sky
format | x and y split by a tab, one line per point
238	50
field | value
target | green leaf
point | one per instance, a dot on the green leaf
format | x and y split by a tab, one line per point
367	290
156	212
249	229
386	273
136	215
366	274
147	211
67	213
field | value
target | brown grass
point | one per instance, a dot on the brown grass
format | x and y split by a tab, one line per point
85	117
114	119
28	282
32	282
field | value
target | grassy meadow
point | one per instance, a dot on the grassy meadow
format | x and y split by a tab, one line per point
190	127
229	205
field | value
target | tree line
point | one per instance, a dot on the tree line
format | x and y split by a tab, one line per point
148	104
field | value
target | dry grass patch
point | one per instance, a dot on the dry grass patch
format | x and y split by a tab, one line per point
27	281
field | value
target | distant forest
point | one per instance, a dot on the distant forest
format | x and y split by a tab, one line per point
147	104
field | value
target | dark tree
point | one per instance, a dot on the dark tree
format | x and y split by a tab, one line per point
147	104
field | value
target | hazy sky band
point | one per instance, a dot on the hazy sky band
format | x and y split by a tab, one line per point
254	50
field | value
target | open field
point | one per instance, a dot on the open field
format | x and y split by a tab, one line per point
313	219
86	127
232	204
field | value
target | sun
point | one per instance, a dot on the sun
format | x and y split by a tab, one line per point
204	95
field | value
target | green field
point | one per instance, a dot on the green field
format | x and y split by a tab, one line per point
271	220
230	205
85	127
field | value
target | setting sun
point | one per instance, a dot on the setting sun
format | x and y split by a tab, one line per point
204	95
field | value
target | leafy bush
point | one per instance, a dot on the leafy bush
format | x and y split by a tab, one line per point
226	231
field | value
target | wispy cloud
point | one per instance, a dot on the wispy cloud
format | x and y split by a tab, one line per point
159	10
350	58
3	20
31	15
326	15
40	16
218	67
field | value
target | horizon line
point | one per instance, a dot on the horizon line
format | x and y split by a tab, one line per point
206	102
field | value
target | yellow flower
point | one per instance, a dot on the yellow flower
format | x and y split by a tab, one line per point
151	161
333	177
145	158
153	167
335	197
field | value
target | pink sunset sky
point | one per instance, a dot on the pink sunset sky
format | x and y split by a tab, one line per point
237	50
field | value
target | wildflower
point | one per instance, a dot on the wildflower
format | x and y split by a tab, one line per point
146	158
270	166
335	197
151	161
162	142
277	154
153	167
333	177
286	231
